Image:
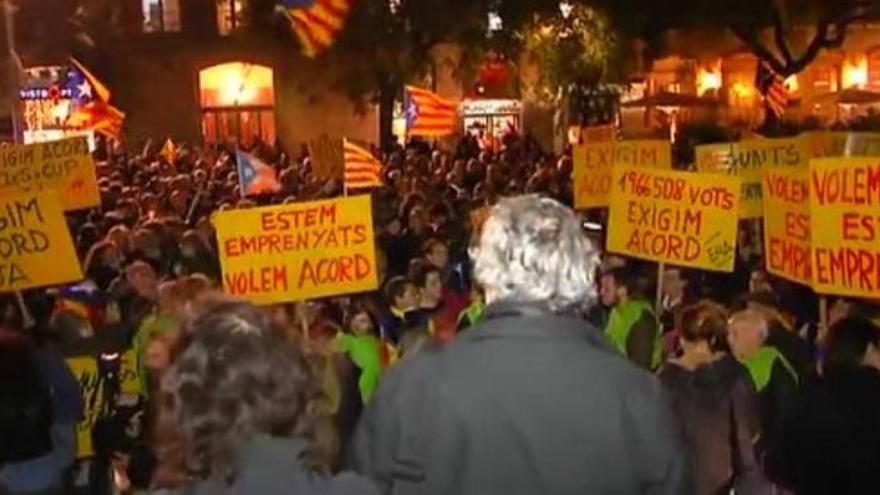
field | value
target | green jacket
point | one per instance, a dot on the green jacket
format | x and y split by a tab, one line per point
365	352
621	322
760	366
471	315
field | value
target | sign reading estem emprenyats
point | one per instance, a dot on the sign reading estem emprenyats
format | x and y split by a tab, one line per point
681	218
593	164
64	165
845	222
35	245
298	251
787	224
748	160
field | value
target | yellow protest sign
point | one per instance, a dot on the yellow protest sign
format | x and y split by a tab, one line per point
826	143
681	218
64	165
748	160
327	157
85	370
593	163
35	245
298	251
862	144
845	202
787	224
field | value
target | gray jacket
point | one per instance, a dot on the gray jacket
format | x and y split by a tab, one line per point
526	402
272	466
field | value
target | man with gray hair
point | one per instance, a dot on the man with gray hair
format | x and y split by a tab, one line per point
532	400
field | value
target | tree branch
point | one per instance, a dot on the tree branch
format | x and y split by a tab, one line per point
748	36
779	36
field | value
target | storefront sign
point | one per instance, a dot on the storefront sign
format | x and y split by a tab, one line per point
681	218
35	245
298	251
845	221
748	160
593	163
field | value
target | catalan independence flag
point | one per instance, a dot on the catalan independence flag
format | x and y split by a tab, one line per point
316	22
95	112
362	169
428	114
255	176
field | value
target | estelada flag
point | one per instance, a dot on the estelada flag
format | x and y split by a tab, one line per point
316	23
96	114
255	176
429	114
169	151
362	169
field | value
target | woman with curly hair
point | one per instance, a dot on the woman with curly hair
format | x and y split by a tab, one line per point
243	411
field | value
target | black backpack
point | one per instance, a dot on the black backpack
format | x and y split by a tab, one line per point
25	404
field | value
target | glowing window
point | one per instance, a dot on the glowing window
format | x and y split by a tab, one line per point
236	84
161	15
237	101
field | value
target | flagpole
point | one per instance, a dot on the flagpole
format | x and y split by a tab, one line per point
15	70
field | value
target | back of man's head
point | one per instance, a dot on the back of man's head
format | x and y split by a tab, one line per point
532	249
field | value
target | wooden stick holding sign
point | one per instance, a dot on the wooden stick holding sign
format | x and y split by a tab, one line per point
27	319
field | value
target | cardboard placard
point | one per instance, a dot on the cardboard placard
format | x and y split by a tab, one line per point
748	160
681	218
36	249
787	224
328	157
298	251
826	143
593	164
845	221
64	165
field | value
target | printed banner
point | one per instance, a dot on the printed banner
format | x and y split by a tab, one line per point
748	160
787	224
298	251
35	245
845	201
327	157
681	218
64	165
593	164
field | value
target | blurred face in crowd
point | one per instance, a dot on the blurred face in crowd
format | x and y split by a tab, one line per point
418	219
142	278
432	292
158	355
673	284
608	290
409	299
361	323
759	282
439	255
839	310
746	333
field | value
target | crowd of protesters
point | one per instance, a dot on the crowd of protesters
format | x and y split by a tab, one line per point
492	359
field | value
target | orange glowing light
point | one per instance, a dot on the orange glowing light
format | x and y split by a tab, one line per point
855	74
791	83
236	84
709	79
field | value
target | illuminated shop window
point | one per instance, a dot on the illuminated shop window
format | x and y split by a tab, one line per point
238	103
230	15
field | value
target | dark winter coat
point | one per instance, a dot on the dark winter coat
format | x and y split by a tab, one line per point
718	408
525	403
273	466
